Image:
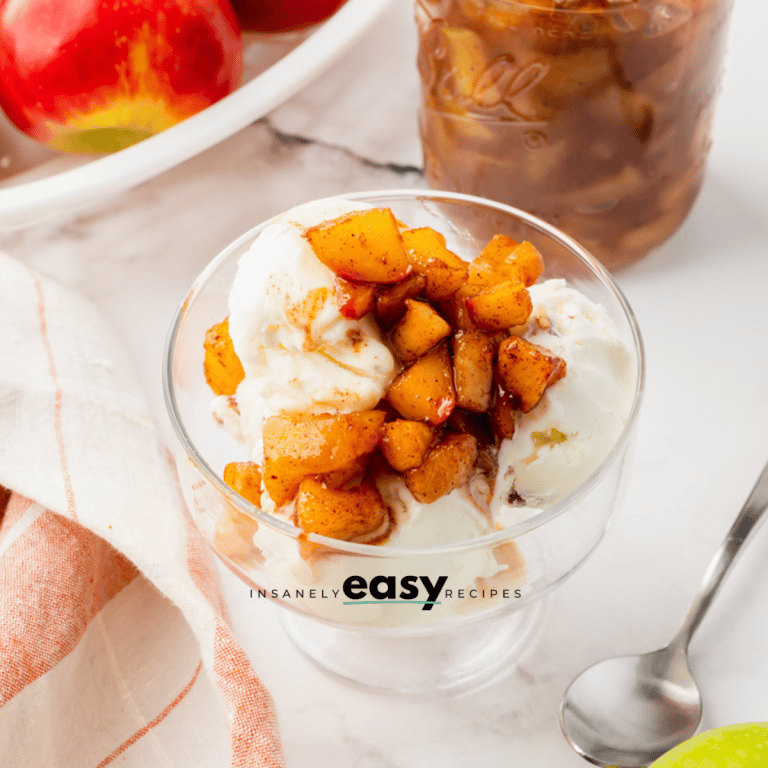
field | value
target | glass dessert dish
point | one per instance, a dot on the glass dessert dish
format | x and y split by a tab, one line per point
447	612
593	114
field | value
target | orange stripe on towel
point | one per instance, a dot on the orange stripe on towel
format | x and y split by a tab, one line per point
152	723
68	492
250	711
54	578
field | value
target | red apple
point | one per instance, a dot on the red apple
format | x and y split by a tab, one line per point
99	75
283	15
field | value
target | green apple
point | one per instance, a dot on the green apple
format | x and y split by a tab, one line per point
734	746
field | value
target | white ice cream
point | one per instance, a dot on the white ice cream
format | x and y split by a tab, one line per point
565	438
299	354
453	517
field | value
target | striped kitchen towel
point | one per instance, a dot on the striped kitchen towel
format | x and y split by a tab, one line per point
114	643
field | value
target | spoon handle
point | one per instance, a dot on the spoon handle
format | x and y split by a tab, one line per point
750	514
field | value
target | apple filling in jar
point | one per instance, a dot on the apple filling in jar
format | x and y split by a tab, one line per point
594	115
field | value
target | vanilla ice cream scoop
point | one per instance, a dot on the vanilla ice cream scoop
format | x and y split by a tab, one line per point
565	438
298	352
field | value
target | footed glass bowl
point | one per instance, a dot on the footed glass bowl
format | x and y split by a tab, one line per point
403	619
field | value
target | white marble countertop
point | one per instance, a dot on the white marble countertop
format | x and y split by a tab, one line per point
703	434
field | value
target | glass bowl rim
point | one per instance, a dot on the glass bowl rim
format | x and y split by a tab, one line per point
385	551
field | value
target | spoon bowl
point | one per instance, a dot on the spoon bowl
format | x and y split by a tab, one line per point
629	710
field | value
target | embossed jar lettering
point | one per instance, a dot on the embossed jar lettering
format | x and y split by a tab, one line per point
597	118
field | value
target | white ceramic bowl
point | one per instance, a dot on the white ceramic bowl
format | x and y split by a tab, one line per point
56	184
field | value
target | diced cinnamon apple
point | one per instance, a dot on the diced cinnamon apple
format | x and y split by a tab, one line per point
352	473
444	270
364	246
480	427
476	424
497	307
506	259
502	415
489	267
354	300
340	514
424	391
405	443
244	477
297	446
454	310
390	299
446	467
418	331
222	367
473	353
525	370
527	258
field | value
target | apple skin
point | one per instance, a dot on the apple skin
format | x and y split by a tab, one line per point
734	746
283	15
98	75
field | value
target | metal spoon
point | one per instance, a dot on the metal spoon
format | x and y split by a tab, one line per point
628	710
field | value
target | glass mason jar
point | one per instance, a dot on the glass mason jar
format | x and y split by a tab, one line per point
594	115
